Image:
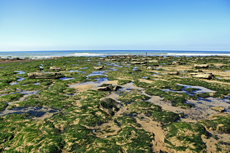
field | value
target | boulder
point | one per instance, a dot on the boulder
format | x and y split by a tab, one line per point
53	68
202	75
218	109
173	73
201	65
42	75
104	88
99	67
109	106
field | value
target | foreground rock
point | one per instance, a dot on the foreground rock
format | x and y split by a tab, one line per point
99	67
53	68
109	106
42	75
202	75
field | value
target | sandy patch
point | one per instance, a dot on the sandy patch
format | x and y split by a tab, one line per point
106	129
158	133
178	68
112	82
212	142
146	81
83	87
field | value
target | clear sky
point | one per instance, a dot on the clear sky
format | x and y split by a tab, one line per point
114	25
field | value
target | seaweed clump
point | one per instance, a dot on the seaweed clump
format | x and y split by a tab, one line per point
183	136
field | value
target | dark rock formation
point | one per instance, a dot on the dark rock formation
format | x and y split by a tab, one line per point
109	106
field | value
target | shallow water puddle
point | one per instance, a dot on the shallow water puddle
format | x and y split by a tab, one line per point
129	87
94	73
13	83
113	64
203	106
112	69
169	90
65	78
94	85
73	71
20	72
37	112
201	89
83	68
41	66
20	79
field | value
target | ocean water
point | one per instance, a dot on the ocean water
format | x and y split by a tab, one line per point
48	54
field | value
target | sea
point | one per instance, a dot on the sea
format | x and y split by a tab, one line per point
103	53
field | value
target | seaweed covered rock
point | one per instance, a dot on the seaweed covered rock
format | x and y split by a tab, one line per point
53	68
109	105
202	75
42	75
98	67
108	87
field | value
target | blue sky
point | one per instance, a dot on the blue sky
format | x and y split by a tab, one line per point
114	24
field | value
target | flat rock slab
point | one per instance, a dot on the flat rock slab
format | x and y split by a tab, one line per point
98	67
218	109
53	68
201	65
83	87
202	75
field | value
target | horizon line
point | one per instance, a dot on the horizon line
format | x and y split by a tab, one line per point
109	50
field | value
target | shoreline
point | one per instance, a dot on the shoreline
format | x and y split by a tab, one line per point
156	98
